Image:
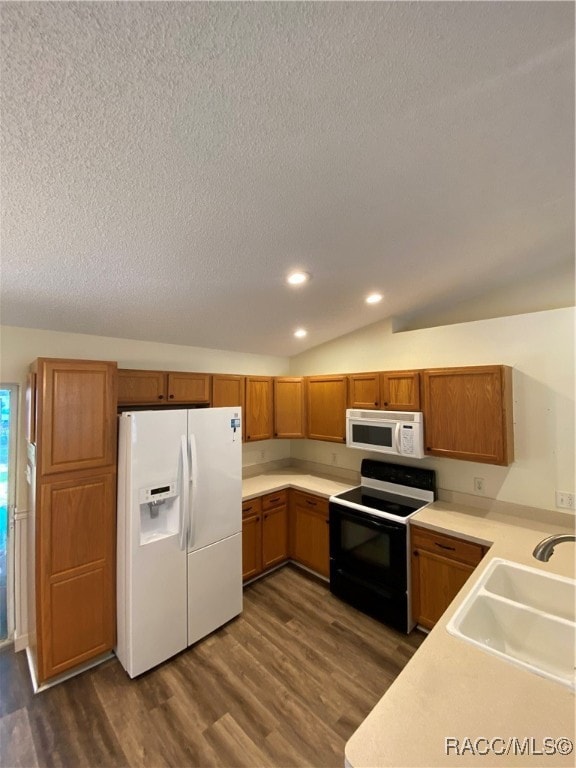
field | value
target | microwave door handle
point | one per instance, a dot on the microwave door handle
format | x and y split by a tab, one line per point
397	443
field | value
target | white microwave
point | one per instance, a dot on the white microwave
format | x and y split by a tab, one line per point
394	432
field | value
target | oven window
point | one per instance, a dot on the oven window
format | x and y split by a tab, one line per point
369	435
366	545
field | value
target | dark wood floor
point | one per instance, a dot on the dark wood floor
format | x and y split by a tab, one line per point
285	684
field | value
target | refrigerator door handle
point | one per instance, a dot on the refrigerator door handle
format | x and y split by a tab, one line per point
194	484
184	492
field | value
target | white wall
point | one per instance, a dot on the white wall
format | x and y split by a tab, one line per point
20	346
539	347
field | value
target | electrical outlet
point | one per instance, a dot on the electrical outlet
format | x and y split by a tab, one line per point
262	454
479	484
565	500
334	459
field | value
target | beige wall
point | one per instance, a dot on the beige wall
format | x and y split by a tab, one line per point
539	347
20	346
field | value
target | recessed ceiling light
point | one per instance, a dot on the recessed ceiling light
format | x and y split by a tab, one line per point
300	333
298	278
373	298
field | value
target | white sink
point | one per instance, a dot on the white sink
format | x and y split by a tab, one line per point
523	615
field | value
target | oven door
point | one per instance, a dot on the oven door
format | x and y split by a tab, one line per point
368	564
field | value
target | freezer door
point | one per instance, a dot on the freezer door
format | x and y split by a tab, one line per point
152	582
215	445
214	586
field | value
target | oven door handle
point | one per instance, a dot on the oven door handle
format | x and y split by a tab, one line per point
368	520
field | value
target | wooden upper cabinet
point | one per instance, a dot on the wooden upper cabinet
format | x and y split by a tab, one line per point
189	388
364	390
137	387
259	399
227	390
400	390
387	390
289	407
468	413
141	387
326	398
75	414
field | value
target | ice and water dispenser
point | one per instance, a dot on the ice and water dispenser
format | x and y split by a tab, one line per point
159	511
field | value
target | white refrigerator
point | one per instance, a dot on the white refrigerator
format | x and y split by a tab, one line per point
179	552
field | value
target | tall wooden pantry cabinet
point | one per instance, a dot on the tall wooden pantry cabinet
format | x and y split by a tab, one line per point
72	473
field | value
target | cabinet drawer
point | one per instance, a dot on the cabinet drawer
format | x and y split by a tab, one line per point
272	500
314	503
252	506
449	546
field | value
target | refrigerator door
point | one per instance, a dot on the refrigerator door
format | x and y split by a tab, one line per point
214	586
215	445
152	583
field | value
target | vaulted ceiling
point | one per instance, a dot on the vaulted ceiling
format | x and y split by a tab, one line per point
166	164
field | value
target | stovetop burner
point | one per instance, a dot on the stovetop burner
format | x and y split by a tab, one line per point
390	490
371	498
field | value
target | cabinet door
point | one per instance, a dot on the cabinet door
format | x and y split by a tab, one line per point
468	413
440	566
326	408
75	579
227	391
141	387
191	388
289	408
309	532
274	528
364	390
76	422
258	417
400	390
251	538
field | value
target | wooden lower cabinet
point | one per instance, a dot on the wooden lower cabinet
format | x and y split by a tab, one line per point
251	538
76	570
274	529
285	525
440	565
309	537
264	533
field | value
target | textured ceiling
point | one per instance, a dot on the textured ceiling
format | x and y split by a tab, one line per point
165	164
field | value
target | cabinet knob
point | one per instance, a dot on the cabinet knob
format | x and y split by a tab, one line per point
415	553
445	546
375	403
266	516
160	397
385	403
171	397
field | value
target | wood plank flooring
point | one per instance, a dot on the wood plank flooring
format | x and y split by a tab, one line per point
285	684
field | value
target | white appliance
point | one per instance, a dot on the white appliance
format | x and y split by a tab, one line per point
394	432
179	530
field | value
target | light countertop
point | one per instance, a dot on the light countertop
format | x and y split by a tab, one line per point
289	478
450	689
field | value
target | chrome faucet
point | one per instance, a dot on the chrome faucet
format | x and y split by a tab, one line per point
545	548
